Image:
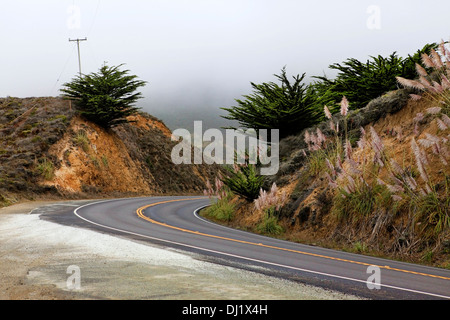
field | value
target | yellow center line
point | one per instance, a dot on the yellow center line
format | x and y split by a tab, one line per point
140	213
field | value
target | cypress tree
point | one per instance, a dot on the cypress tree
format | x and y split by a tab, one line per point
107	97
286	106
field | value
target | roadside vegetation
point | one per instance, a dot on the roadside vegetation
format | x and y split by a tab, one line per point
222	207
343	182
360	82
292	105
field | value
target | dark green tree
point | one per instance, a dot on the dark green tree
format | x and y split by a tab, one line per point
362	82
106	97
286	106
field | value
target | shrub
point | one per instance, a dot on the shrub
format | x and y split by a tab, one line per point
244	180
4	201
46	168
222	209
357	199
270	224
433	211
81	139
270	203
359	247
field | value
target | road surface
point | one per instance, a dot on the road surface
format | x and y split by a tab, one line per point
174	222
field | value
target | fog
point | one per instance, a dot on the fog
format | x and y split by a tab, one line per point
198	56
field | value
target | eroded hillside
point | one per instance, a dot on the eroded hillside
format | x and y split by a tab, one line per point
47	150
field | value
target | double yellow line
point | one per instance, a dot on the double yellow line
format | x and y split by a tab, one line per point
140	213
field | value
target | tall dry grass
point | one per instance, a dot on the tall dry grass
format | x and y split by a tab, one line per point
370	184
434	78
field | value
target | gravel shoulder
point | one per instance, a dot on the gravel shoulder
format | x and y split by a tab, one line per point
38	259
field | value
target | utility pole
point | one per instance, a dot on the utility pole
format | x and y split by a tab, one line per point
78	45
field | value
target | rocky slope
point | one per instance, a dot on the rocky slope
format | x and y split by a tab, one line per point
47	150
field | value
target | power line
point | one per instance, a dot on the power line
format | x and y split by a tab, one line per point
95	16
78	46
63	69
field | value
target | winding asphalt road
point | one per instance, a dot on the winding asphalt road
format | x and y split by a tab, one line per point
174	222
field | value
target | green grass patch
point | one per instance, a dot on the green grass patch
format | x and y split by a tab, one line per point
362	202
46	169
81	139
270	224
222	210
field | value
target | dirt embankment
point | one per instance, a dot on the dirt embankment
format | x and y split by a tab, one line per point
92	159
48	151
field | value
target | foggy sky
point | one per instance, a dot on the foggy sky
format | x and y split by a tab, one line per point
198	56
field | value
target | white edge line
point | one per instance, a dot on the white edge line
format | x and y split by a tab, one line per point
241	257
